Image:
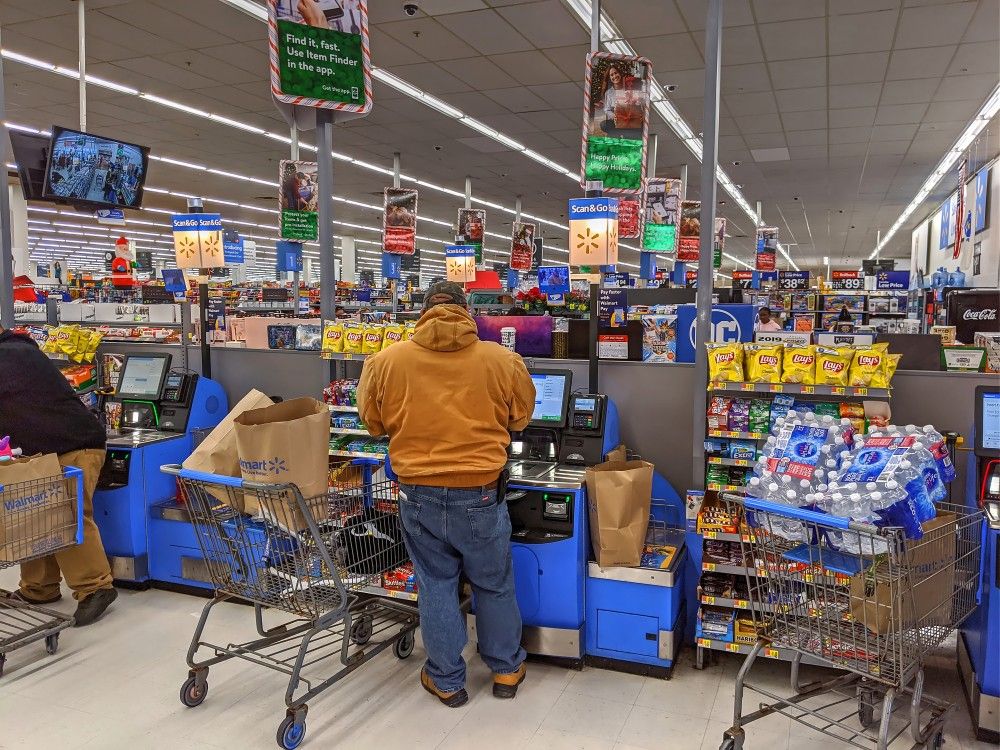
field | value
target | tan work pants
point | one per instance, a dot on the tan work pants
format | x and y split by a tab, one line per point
85	566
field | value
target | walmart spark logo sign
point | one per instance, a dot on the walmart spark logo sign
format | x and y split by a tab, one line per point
198	240
593	231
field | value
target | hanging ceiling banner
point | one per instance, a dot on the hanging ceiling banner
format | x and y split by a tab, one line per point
628	218
767	248
718	241
688	246
615	122
661	214
522	246
298	199
320	55
460	263
593	231
472	229
198	240
399	221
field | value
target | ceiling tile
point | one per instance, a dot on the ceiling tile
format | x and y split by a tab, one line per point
428	37
887	148
852	117
808	152
809	120
759	123
796	74
957	111
799	100
865	67
897	114
486	30
787	10
480	73
765	141
862	6
529	68
934	25
432	78
737	13
855	95
849	135
979	57
750	104
893	132
911	91
985	23
793	39
807	137
864	32
929	62
561	96
517	99
954	88
745	78
636	20
548	23
670	52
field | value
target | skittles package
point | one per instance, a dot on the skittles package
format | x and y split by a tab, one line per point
868	368
763	362
799	365
833	366
725	362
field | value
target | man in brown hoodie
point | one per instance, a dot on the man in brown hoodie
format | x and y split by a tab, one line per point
448	402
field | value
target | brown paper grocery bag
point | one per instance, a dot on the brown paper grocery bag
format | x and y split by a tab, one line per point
286	443
36	513
618	499
217	453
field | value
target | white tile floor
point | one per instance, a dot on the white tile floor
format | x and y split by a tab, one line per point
115	685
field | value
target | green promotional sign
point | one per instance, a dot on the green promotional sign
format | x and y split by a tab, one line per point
320	63
716	257
617	162
659	238
299	225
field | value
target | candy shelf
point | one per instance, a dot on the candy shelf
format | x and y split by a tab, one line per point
346	356
348	431
409	596
737	435
357	454
768	652
799	389
338	407
721	461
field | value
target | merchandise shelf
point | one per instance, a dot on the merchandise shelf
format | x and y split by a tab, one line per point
737	435
727	603
724	536
337	407
799	389
344	355
721	461
358	454
769	651
712	486
391	593
348	431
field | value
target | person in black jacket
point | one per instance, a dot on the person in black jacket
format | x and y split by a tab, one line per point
42	414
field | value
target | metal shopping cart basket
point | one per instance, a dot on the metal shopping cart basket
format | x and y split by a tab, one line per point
37	518
318	563
857	598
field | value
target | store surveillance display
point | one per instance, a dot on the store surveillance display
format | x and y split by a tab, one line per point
86	169
31	152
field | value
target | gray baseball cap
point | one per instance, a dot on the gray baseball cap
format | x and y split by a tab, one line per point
445	293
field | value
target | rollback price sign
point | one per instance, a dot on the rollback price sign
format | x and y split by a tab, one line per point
847	281
320	55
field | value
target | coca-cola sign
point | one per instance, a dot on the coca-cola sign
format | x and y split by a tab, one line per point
984	314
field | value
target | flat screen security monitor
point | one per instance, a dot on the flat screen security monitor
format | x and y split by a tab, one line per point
552	389
988	421
31	152
142	377
89	170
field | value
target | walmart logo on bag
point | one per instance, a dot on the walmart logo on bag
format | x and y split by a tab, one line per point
265	467
28	502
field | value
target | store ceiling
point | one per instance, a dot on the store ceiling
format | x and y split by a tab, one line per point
835	110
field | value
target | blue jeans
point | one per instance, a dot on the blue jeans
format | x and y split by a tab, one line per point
447	532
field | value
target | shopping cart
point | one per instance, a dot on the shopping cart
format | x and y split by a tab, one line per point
317	560
37	518
858	598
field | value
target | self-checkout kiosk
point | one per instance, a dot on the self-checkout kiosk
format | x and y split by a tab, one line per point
979	639
161	409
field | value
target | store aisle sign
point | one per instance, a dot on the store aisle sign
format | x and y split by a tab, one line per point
847	280
615	122
718	241
593	231
198	240
949	219
399	220
647	266
689	244
887	280
288	257
460	263
232	247
661	214
981	184
793	280
320	55
522	245
767	248
628	218
391	266
743	279
298	199
617	279
110	216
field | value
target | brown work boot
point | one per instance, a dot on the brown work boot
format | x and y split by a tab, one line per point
92	606
451	700
505	685
18	596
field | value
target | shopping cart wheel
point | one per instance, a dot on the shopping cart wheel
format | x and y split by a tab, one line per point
191	694
866	707
51	644
937	743
361	631
403	648
290	734
3	658
730	742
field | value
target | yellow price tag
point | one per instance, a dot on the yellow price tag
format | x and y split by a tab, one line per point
741	603
762	572
734	647
704	643
808	389
742	462
776	388
772	652
838	390
860	391
348	355
708	600
748	387
710	535
708	566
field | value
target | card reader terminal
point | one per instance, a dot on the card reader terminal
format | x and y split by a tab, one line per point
587	411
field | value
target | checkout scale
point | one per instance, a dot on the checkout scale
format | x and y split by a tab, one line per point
570	607
143	529
979	637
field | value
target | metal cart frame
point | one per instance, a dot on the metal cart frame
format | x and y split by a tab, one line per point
303	559
861	599
37	518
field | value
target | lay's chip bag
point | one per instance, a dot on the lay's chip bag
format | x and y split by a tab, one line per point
833	366
725	362
409	330
868	365
891	363
763	362
333	337
392	334
372	341
354	338
799	365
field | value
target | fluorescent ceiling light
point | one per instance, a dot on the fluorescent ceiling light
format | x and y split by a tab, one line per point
978	123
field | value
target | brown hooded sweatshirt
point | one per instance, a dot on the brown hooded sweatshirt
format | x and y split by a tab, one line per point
447	401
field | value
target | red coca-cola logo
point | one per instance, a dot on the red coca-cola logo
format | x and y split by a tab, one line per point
869	360
802	359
